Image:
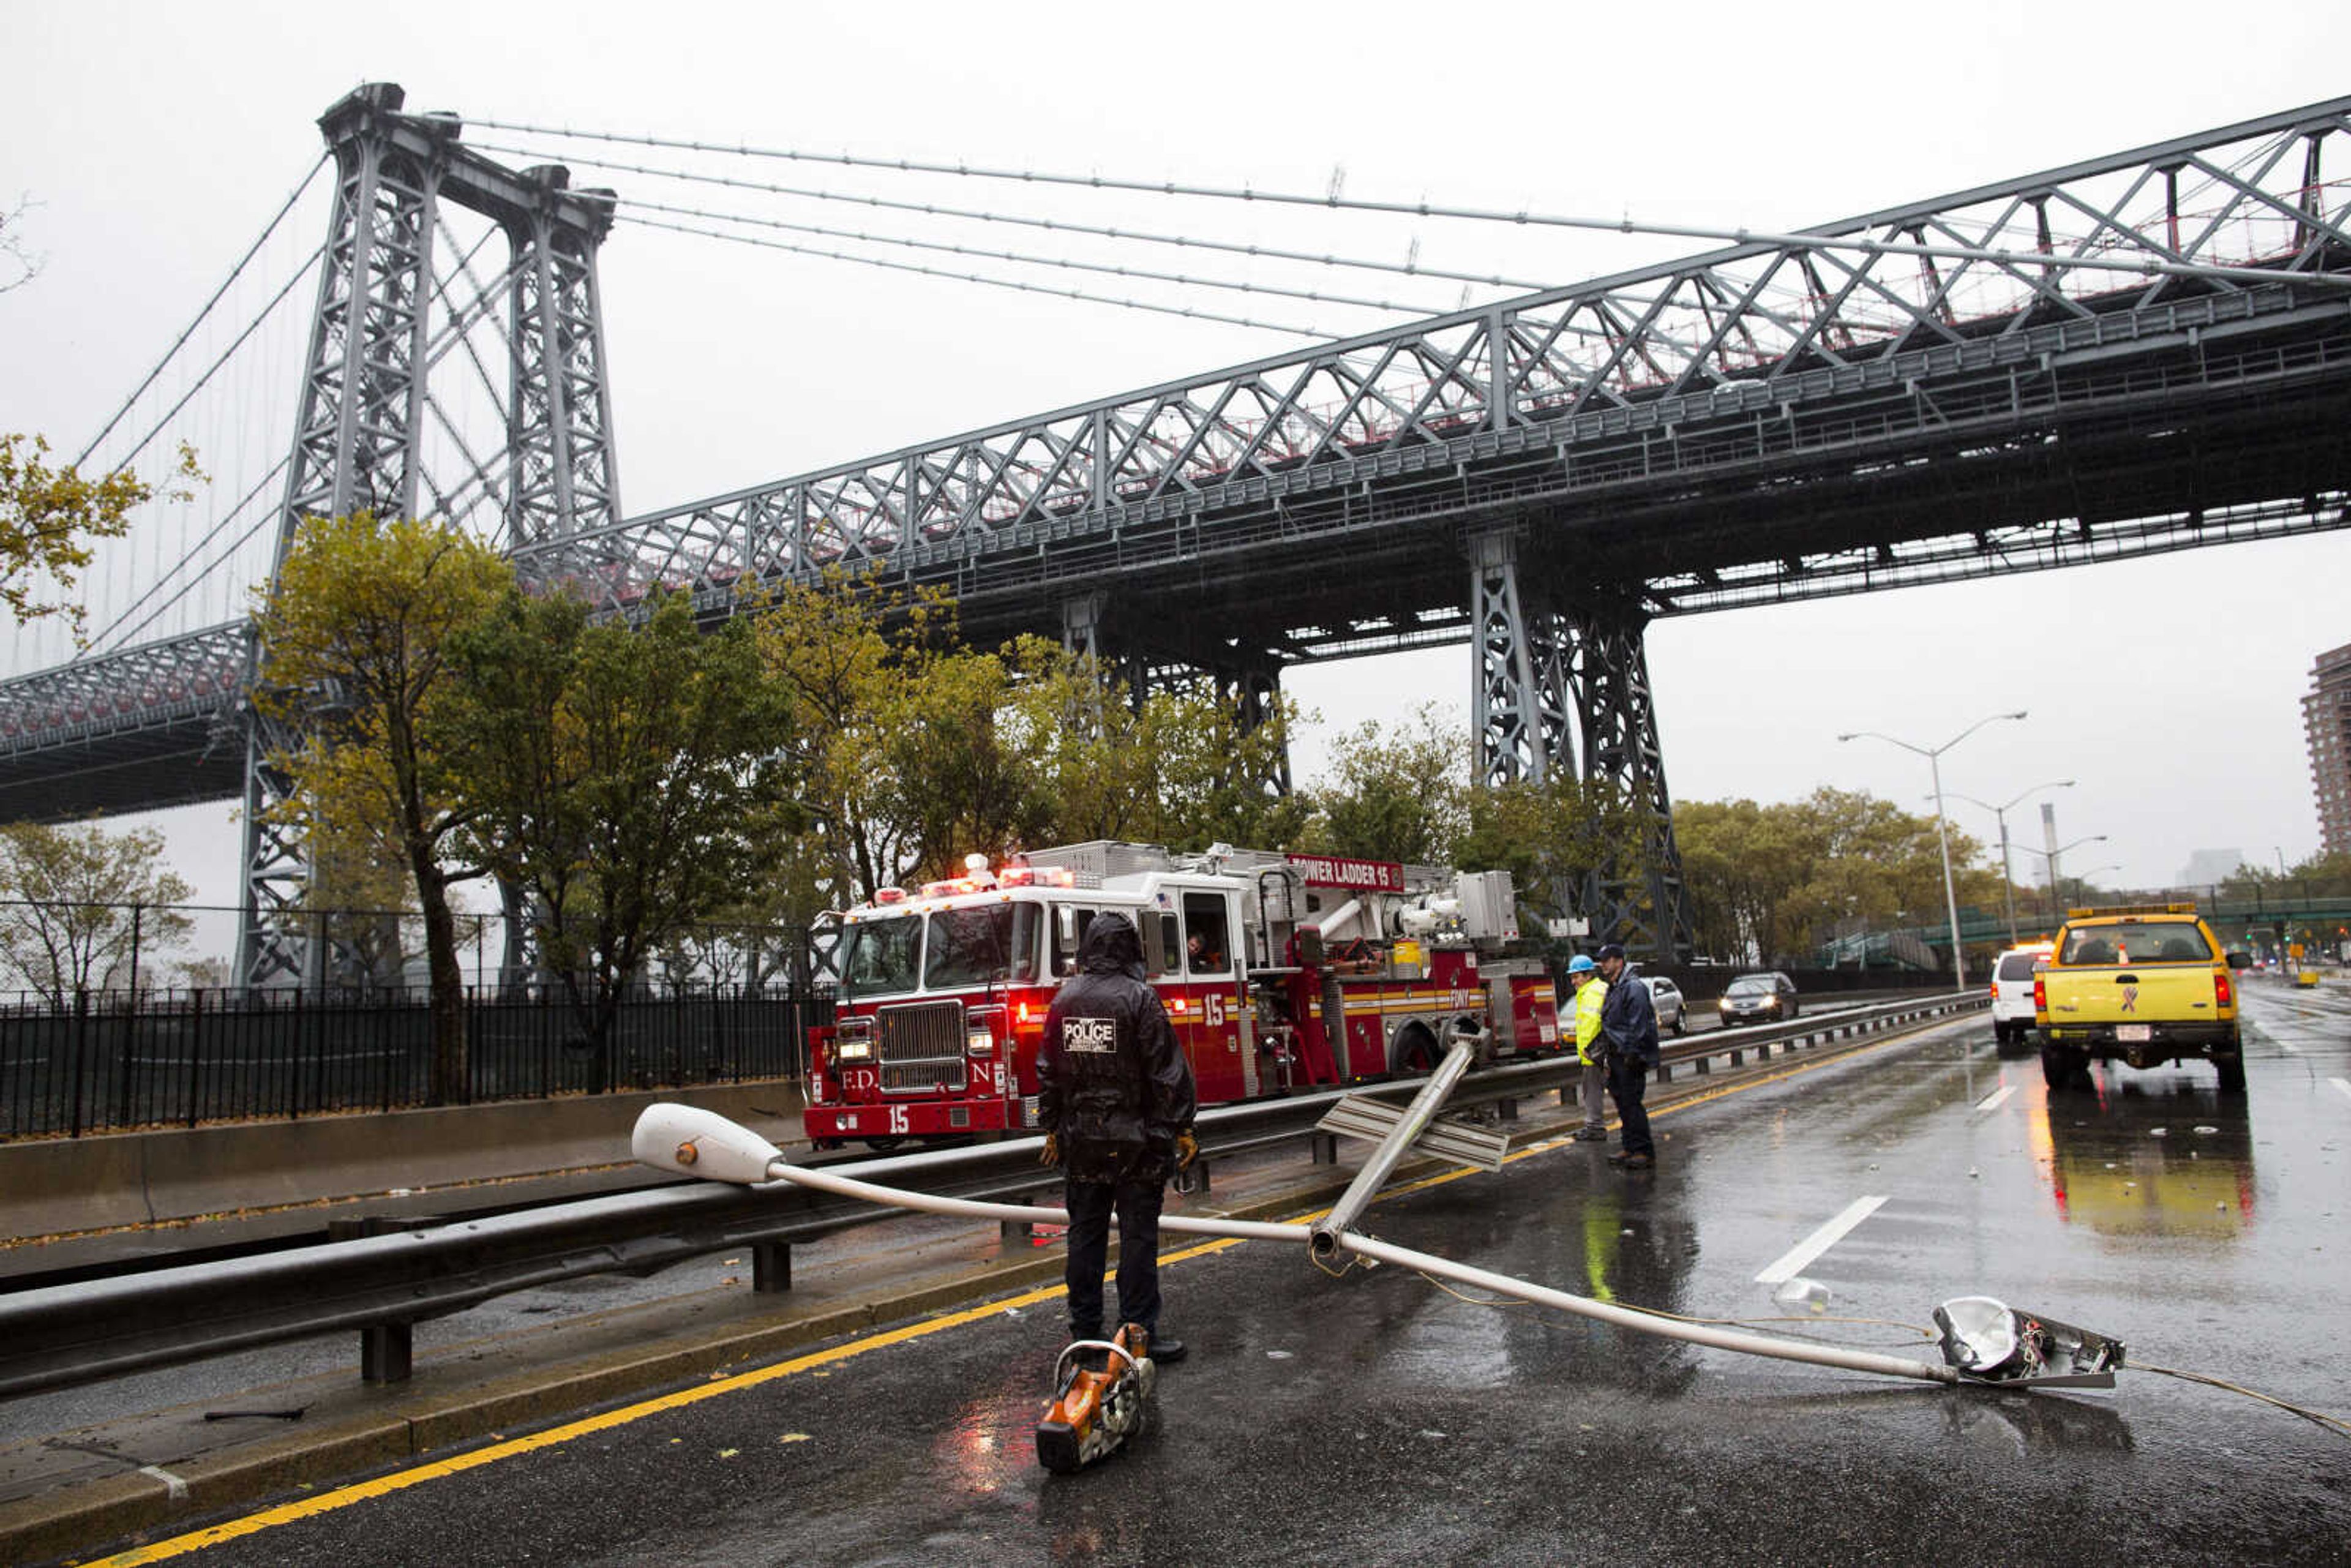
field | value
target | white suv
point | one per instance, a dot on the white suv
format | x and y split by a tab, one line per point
1665	999
2012	992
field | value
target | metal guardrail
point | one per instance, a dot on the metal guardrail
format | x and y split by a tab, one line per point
60	1335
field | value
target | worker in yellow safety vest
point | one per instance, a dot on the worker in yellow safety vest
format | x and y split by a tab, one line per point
1583	975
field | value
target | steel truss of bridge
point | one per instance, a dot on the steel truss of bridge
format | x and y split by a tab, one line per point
2133	354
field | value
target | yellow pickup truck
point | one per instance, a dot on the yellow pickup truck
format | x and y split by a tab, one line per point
2144	984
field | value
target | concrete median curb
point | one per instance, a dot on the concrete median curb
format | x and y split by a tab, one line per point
65	1186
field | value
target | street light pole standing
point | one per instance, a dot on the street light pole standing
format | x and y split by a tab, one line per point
2000	814
2055	905
1942	833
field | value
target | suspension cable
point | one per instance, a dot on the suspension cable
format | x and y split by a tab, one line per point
1029	260
1408	269
1079	294
452	332
201	574
633	207
212	369
1801	239
235	272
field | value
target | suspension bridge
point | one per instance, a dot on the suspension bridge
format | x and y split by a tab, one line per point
2142	352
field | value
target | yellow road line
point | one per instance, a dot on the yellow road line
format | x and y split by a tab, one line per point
400	1480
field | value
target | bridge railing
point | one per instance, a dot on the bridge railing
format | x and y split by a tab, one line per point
192	1057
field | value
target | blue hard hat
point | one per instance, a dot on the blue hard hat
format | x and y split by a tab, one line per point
1580	962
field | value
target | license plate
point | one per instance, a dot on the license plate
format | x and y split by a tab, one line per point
2132	1033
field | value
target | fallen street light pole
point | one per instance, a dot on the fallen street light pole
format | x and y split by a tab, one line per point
1330	1232
1990	1345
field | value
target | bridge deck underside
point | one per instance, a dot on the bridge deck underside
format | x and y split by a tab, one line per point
2156	434
2014	472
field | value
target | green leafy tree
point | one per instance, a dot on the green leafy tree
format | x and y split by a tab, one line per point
1177	769
839	651
961	780
1774	883
1550	836
1396	794
49	518
621	775
82	908
357	634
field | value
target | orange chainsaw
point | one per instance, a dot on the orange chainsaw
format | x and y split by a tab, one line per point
1093	1411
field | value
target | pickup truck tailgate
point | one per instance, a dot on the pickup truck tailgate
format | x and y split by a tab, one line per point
2132	993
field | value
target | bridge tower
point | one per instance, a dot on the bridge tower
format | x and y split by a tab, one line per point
367	395
1554	668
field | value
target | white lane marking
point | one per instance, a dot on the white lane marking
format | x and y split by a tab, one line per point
171	1484
1820	1240
1991	1100
2342	1086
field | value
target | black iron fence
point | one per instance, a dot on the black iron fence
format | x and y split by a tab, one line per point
190	1057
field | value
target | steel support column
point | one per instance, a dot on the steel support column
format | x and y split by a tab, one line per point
1518	707
354	448
1639	899
559	413
358	444
1538	662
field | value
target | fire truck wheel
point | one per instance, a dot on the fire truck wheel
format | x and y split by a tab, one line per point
1415	1052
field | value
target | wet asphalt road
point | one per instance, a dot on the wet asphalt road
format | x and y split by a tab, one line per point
1375	1418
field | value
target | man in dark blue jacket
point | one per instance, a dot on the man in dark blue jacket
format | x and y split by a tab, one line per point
1116	1101
1628	1022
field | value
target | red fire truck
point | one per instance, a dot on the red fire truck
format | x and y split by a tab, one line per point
1279	972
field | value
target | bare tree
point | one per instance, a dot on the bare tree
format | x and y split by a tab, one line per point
81	907
18	265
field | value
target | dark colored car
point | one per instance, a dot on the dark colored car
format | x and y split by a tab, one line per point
1758	998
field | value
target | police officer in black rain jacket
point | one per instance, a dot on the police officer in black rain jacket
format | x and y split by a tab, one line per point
1116	1101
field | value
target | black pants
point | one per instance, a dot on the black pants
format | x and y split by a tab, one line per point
1089	1204
1628	1079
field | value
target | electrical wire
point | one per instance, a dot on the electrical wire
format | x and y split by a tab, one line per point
1801	240
1078	294
2334	1424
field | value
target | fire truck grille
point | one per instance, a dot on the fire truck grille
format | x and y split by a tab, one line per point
920	1047
920	1077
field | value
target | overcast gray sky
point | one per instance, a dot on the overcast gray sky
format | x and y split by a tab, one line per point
157	141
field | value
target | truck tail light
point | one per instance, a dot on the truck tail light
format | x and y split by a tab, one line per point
2039	994
2223	992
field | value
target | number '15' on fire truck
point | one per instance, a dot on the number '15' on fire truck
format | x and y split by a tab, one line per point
1279	971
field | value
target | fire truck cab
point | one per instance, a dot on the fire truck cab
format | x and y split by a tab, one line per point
1277	971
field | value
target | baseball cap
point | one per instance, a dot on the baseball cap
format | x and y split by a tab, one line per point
1613	950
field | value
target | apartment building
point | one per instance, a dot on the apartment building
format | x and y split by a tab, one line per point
2326	725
